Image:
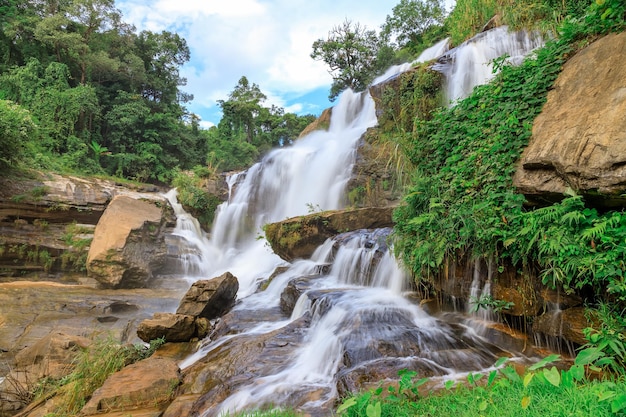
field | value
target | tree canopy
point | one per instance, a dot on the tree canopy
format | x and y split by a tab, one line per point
81	90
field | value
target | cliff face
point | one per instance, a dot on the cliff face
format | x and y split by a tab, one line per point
579	139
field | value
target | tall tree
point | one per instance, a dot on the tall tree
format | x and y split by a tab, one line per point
350	51
411	19
241	110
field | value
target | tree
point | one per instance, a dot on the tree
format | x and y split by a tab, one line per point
350	51
17	128
411	19
241	110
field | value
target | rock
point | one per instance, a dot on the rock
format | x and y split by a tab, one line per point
147	383
568	324
292	292
321	123
579	139
128	243
52	356
210	298
298	237
173	327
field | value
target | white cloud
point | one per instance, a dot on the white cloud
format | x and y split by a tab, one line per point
268	41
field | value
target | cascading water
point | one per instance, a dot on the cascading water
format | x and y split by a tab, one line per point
322	324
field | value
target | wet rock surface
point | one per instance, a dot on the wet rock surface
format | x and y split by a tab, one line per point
210	298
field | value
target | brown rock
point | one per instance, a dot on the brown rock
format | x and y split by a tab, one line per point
147	383
321	123
568	324
174	327
52	356
128	243
298	237
210	298
579	139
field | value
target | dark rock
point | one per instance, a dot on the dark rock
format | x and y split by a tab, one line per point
210	298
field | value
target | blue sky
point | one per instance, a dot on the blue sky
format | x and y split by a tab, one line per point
268	41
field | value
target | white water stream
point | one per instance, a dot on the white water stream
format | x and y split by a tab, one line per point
353	300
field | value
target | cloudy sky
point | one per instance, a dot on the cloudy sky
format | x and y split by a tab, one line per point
268	41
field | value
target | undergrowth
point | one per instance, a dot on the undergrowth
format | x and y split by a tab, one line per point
542	390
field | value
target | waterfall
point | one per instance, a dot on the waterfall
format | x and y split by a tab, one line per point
471	63
352	311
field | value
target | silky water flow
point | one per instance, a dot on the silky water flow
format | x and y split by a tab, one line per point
354	317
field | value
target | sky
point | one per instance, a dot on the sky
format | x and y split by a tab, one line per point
268	41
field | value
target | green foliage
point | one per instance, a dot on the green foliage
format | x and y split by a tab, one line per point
462	201
350	51
194	197
470	16
541	391
606	349
411	20
17	128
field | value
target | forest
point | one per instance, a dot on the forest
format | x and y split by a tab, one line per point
81	91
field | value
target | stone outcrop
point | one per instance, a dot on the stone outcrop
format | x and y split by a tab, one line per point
52	357
172	327
128	243
579	139
210	298
47	222
568	324
204	301
298	237
321	123
148	383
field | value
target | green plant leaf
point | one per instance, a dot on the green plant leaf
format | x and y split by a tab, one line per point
553	376
373	410
346	404
511	374
588	356
525	402
545	361
618	404
527	378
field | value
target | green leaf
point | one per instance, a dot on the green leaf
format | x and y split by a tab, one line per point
588	356
527	378
511	374
492	377
618	404
578	372
500	362
548	359
346	404
482	406
373	410
553	376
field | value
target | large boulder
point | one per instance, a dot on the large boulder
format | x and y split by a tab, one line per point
211	298
150	383
579	139
128	243
298	237
172	327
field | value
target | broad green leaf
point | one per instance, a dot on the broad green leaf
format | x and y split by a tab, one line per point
553	376
500	362
587	356
511	374
618	404
527	378
548	359
346	404
373	410
578	372
605	395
